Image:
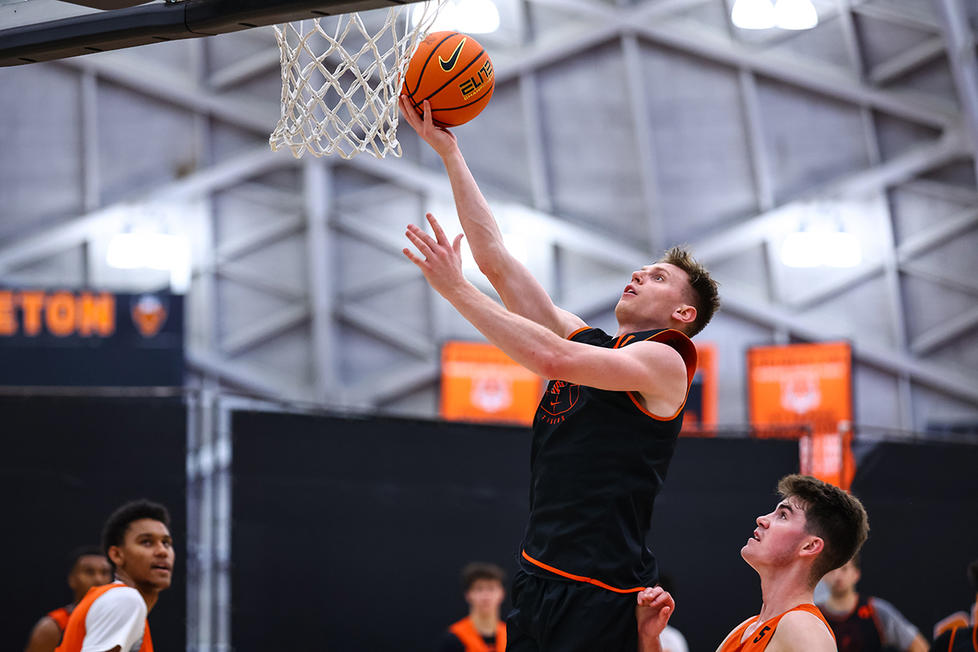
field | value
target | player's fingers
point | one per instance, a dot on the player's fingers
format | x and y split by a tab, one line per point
420	243
457	245
428	120
440	237
410	256
409	113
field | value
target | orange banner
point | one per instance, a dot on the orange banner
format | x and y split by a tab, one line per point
807	384
481	383
700	416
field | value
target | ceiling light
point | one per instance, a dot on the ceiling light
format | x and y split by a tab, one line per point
753	14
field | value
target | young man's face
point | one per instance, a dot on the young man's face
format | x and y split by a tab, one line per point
653	295
146	554
779	536
842	580
89	571
485	595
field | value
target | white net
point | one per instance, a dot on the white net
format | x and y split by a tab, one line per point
341	76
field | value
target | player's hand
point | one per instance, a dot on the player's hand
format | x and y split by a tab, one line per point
441	140
655	606
440	260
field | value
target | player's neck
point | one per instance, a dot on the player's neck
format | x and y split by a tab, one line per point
630	327
783	590
485	624
842	603
150	594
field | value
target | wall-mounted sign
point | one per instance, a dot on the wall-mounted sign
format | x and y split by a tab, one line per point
481	383
87	337
701	405
807	384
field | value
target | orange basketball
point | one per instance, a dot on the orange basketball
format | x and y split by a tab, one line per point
453	72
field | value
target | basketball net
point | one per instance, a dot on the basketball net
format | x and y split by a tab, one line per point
341	79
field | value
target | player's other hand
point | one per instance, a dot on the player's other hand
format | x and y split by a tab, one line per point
440	260
655	606
441	140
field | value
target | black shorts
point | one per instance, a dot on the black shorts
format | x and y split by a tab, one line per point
552	615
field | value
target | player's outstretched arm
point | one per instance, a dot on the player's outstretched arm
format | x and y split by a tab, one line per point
520	291
652	613
655	370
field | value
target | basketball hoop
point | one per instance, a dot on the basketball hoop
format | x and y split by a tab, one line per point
341	76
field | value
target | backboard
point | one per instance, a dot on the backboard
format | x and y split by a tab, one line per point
42	30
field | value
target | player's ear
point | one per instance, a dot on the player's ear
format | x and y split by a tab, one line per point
685	314
812	547
116	555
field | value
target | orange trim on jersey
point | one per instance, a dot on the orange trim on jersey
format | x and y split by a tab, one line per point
579	330
578	578
955	620
74	635
758	640
465	631
950	645
60	616
686	350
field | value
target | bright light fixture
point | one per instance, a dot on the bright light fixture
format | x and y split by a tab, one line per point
753	14
467	16
795	14
821	249
149	250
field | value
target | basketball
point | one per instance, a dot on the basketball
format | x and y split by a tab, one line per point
454	73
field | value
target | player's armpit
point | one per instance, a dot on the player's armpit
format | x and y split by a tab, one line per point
800	631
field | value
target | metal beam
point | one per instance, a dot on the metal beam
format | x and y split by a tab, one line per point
750	232
379	327
264	329
703	42
78	230
964	66
908	60
950	329
317	192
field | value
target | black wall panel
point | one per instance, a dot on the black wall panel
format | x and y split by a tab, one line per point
66	464
348	534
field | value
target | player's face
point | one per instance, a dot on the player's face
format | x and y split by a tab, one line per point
89	571
146	555
778	537
654	293
842	580
485	596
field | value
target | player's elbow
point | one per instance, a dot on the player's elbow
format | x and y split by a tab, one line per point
553	364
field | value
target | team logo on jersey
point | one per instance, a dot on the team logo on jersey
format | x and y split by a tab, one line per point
560	398
149	313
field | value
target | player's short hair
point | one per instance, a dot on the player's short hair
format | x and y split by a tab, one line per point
83	551
834	515
114	532
476	571
705	294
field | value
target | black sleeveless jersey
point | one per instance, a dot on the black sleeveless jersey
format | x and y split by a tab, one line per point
858	631
597	462
958	639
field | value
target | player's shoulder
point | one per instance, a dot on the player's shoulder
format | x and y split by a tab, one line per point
802	631
119	597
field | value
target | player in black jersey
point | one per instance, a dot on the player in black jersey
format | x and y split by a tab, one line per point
605	430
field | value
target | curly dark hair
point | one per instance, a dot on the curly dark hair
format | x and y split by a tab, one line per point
114	532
